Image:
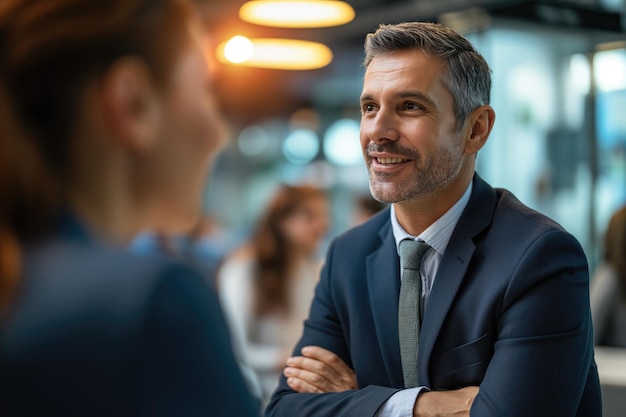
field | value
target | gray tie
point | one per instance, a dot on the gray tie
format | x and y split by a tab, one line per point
410	307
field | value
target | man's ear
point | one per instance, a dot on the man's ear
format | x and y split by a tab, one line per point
480	124
130	106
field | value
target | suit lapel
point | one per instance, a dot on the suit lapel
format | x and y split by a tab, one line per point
383	278
447	282
476	216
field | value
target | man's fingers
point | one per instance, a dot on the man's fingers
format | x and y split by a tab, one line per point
471	391
301	386
320	374
327	357
340	374
319	370
310	381
312	365
446	403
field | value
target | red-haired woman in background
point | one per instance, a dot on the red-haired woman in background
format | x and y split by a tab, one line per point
108	126
608	286
267	285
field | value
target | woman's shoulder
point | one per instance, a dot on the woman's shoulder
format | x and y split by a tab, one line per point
97	299
96	281
242	254
239	263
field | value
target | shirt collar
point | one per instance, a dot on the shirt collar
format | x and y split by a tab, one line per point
438	234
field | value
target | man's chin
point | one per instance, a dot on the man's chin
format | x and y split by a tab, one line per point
383	195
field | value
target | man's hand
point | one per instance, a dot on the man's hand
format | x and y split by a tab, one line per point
455	403
319	370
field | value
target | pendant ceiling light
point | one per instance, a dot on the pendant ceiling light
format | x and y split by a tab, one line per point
287	54
297	13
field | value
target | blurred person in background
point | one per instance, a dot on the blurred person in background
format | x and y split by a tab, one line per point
365	206
266	285
108	127
608	286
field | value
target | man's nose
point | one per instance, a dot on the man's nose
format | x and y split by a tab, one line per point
382	127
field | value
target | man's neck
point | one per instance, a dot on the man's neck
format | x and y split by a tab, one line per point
417	214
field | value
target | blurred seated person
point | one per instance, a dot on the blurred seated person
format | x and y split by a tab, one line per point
108	125
365	207
266	285
608	286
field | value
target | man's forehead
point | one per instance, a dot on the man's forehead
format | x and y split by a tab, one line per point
403	72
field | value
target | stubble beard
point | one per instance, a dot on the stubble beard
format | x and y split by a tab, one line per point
428	176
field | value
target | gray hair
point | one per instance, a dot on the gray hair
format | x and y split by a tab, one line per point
466	74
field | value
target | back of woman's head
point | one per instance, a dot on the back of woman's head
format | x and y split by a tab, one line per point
9	252
49	51
50	48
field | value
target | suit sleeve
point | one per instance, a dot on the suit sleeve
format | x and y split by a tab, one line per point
185	365
544	352
324	328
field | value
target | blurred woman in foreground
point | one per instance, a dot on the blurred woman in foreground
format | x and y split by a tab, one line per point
107	127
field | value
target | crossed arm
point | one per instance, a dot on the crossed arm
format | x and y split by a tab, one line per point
319	370
543	336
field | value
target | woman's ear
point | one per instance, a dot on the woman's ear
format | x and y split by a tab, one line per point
480	124
130	105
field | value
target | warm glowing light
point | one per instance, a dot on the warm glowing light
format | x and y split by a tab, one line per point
238	49
297	13
288	54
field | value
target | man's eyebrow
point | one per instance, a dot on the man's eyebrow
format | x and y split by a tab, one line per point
416	95
405	94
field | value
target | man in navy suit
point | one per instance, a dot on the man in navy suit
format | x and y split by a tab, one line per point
506	328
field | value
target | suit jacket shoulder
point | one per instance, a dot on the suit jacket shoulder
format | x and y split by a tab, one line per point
509	309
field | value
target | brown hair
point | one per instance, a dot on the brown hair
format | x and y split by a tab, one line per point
272	249
49	51
615	246
9	249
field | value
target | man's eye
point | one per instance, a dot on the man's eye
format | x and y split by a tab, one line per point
368	108
412	106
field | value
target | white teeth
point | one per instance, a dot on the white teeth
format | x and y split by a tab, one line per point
391	160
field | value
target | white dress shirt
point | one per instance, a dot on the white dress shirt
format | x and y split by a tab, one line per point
437	235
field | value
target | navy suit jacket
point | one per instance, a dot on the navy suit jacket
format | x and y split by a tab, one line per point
97	331
509	311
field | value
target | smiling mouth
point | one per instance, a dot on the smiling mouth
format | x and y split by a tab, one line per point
390	161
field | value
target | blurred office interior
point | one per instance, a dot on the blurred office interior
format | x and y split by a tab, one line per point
559	141
559	91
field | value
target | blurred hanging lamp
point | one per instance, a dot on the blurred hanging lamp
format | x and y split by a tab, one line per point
286	54
297	13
